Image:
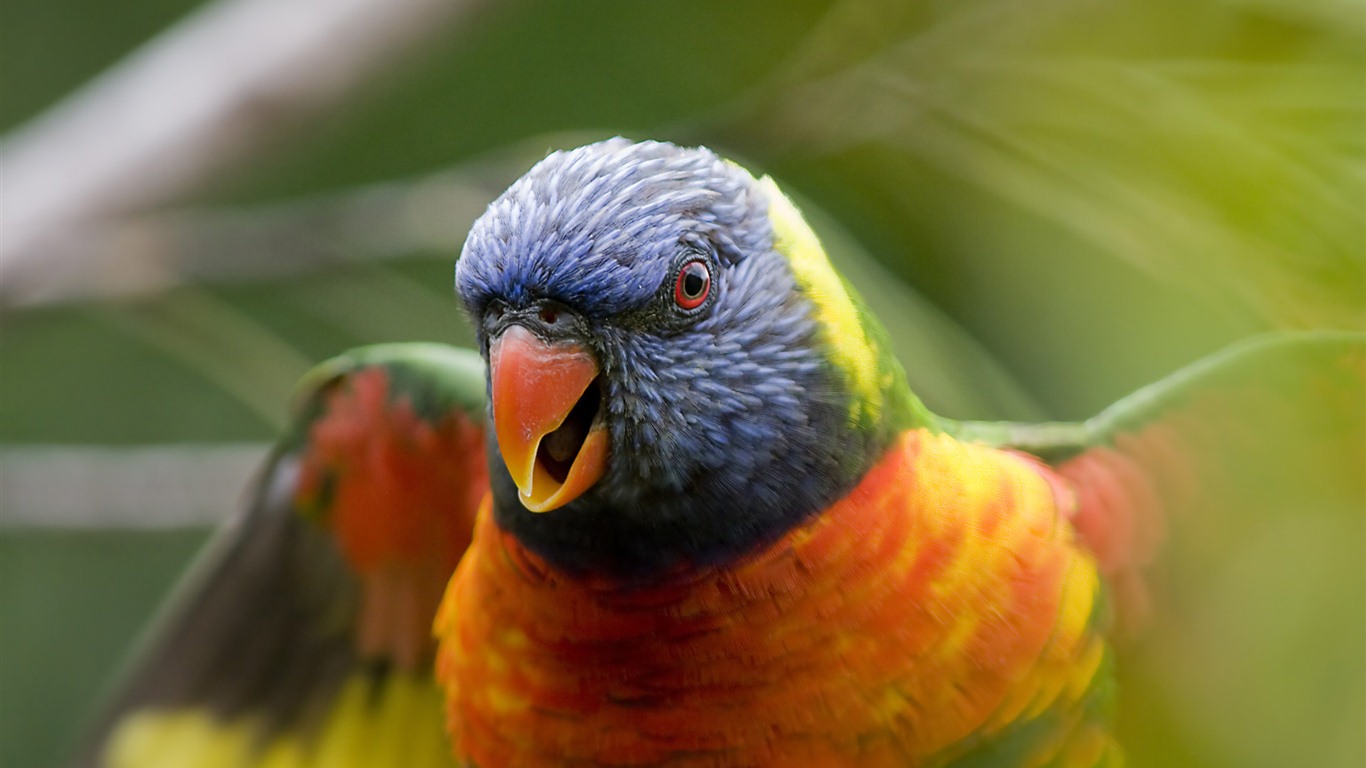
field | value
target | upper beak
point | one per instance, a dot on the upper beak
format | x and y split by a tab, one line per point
545	405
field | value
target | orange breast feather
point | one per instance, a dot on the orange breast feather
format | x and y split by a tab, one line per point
939	604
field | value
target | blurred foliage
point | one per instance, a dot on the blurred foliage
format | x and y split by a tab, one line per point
1084	196
71	604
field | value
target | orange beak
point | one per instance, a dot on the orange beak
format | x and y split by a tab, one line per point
545	405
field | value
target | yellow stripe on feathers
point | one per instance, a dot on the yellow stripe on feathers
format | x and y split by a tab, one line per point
400	724
836	312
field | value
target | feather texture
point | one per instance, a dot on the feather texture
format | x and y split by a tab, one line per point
930	615
304	639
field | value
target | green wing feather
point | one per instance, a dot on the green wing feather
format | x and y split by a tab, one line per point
254	660
1283	364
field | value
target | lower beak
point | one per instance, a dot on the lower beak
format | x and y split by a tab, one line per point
545	415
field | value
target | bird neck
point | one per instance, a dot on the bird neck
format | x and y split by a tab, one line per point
850	336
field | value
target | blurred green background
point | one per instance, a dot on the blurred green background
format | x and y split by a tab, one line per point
1050	203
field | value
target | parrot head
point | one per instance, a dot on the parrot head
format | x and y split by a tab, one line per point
676	373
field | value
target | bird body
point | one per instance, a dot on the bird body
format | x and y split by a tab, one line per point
710	524
944	597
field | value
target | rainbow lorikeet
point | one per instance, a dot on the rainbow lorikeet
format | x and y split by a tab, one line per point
707	523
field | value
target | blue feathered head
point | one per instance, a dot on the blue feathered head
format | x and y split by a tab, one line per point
666	368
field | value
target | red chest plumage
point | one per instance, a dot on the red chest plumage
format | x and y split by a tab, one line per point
941	598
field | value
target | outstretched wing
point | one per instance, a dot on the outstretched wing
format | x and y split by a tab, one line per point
1272	421
1227	507
302	636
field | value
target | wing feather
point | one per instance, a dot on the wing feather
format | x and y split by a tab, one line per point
1262	425
269	652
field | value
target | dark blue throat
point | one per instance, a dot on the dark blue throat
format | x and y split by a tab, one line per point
725	513
725	434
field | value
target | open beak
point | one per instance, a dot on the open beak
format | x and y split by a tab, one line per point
545	413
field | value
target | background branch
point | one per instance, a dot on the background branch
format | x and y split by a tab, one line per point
157	486
207	94
145	255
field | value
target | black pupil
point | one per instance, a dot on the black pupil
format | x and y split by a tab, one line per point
694	280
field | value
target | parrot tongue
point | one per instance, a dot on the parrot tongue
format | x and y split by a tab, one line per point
545	406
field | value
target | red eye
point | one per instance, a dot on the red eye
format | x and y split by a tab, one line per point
694	283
